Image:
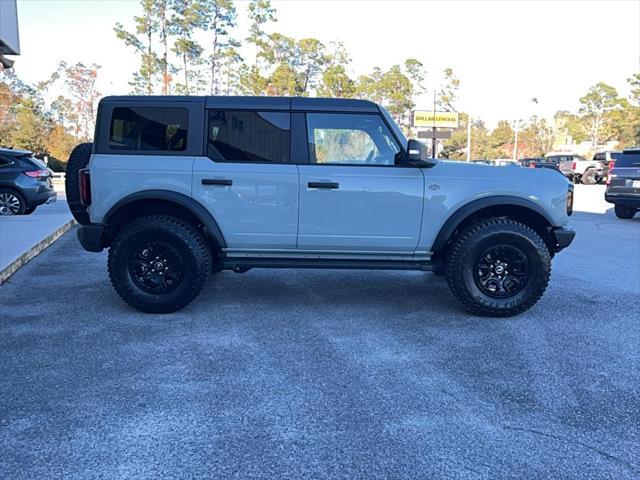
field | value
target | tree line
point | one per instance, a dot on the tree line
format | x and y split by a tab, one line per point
603	116
191	47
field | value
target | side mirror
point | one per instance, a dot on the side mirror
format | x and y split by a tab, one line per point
418	155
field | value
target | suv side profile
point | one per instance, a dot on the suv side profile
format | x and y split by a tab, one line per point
178	187
25	182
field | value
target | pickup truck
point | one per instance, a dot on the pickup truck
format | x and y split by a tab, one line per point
578	169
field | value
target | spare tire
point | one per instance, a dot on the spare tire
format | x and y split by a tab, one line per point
78	160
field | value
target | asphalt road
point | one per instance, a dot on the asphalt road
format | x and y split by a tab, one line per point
324	374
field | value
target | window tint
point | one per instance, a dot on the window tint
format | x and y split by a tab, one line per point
149	129
626	160
600	156
244	136
5	161
350	139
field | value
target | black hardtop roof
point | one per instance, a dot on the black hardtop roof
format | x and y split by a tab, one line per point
253	103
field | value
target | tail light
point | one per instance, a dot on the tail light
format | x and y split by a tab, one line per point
608	179
84	181
573	166
37	173
611	164
532	165
570	200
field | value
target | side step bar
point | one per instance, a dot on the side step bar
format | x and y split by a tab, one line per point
241	265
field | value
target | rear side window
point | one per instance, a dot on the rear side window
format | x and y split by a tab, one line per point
149	129
31	161
600	156
628	160
4	162
246	136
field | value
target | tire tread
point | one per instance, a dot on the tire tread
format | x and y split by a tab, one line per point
462	243
181	228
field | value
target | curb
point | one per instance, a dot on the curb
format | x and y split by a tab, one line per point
34	251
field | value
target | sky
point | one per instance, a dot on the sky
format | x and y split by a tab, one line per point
503	52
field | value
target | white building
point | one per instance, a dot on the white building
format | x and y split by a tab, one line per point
9	38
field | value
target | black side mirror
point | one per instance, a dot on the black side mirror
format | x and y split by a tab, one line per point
418	155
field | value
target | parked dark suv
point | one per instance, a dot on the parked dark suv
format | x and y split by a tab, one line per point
25	182
540	162
623	183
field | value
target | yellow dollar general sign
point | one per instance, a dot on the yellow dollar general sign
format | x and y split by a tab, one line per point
423	118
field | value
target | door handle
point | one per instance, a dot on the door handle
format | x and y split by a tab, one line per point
326	185
217	181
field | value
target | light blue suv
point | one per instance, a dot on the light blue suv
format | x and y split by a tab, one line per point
179	187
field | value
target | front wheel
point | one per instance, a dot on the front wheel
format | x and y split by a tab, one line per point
624	212
498	268
159	264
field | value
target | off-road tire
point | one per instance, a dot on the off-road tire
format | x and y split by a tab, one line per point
469	246
22	203
624	212
78	160
179	234
590	177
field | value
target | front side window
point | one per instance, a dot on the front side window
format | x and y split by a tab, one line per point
350	139
149	129
247	136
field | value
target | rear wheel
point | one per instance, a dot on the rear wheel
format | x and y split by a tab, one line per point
498	268
159	264
624	212
11	202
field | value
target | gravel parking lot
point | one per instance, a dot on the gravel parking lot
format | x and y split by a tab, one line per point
325	374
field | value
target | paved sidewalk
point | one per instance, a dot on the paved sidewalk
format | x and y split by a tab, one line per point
19	234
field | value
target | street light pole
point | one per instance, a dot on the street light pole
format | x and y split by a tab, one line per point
515	144
433	140
468	138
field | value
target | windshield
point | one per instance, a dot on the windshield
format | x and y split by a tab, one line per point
403	140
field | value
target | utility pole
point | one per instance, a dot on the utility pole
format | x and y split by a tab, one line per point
468	138
515	144
433	140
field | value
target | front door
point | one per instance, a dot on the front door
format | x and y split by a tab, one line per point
354	196
247	182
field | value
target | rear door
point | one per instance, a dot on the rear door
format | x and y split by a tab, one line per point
246	179
354	194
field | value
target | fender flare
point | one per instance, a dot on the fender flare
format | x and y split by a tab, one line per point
181	199
454	220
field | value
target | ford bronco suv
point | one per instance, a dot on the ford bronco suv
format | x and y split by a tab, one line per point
179	187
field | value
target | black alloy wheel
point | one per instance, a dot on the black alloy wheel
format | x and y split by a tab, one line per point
156	267
502	271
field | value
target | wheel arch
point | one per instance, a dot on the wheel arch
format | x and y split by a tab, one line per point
149	202
515	208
